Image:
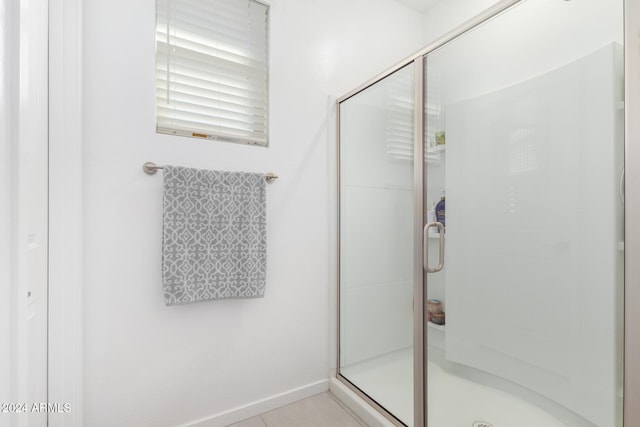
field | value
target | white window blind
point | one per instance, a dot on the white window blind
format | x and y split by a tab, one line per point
212	69
399	116
400	121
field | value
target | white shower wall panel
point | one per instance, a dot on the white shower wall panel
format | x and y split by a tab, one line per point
377	205
365	157
499	62
379	322
377	241
377	286
533	262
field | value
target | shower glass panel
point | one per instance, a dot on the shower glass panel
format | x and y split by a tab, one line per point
524	137
376	242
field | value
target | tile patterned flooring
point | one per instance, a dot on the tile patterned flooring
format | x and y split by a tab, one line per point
321	410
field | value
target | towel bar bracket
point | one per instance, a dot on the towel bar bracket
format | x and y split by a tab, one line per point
150	168
270	177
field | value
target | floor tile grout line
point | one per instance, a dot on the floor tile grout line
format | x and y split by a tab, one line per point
341	408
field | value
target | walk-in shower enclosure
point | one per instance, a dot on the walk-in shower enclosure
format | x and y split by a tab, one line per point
482	235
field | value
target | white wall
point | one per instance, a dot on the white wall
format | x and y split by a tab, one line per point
446	15
151	365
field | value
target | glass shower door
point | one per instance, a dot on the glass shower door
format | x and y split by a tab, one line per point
377	242
524	140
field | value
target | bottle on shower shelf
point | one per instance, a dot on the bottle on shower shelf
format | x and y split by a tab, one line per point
435	314
440	209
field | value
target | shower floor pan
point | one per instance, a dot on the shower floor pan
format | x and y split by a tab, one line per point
454	401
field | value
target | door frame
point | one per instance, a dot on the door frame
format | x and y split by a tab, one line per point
417	182
632	213
65	211
25	146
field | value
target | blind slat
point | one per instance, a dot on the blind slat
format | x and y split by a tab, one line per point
209	65
215	37
399	119
198	47
218	136
215	8
245	88
227	96
211	27
214	108
192	124
191	113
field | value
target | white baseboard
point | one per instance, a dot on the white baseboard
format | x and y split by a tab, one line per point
258	407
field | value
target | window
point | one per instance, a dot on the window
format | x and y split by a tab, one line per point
212	69
399	116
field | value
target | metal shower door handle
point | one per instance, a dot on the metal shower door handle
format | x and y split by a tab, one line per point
425	247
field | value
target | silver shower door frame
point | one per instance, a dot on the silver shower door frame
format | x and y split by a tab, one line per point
631	412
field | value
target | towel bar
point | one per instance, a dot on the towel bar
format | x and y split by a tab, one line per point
151	168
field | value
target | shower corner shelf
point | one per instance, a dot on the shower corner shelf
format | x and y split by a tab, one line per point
434	154
436	327
437	149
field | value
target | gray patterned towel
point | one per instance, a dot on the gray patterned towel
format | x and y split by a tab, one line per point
214	242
